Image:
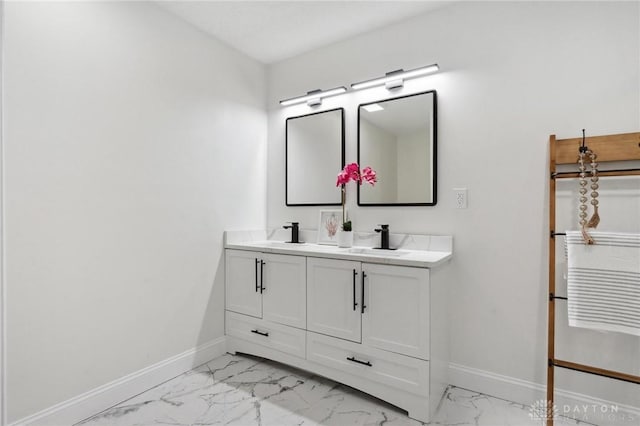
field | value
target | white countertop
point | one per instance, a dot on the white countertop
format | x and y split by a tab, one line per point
400	257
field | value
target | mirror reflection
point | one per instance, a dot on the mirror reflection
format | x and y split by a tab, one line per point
397	138
314	148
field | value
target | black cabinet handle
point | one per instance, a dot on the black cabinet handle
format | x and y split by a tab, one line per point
260	333
362	305
355	273
257	261
353	359
262	262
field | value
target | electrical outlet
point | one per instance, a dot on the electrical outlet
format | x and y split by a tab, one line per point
461	197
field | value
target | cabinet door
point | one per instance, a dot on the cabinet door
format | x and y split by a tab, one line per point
333	299
396	317
284	290
242	282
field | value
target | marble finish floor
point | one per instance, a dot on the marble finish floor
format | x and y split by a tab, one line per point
245	390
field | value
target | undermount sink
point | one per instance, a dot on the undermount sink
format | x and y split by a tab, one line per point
282	244
366	251
370	251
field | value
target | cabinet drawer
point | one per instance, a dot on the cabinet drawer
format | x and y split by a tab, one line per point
276	336
403	372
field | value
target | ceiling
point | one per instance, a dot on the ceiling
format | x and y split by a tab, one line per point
271	31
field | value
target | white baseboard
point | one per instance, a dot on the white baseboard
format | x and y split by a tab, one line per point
87	404
527	393
505	387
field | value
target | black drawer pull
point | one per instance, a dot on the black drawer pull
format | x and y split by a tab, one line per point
262	262
362	305
260	333
355	304
257	286
353	359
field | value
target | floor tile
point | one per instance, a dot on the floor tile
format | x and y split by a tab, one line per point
246	391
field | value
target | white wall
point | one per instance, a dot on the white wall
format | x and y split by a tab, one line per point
132	141
512	74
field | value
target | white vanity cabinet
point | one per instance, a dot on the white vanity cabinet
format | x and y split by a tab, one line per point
334	296
284	293
266	285
370	322
374	325
382	306
396	313
242	282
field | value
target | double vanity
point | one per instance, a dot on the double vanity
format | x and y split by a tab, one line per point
372	316
371	319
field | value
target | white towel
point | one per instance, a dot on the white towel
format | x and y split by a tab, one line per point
603	284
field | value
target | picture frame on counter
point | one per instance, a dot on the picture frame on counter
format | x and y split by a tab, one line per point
329	223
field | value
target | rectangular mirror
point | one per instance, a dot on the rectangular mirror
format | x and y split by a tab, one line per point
314	149
397	138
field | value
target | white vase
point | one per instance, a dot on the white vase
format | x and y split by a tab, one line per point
345	238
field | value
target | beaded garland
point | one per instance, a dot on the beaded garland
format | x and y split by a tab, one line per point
595	218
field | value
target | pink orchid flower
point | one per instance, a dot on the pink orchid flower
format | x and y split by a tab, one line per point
351	172
368	175
343	178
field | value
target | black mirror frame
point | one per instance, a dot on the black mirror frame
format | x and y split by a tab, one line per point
434	152
286	158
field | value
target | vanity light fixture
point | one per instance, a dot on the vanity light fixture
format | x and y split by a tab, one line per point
313	97
395	79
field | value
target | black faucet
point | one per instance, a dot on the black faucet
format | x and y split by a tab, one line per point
295	230
384	236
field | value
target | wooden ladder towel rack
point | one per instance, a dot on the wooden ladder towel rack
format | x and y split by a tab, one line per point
621	147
